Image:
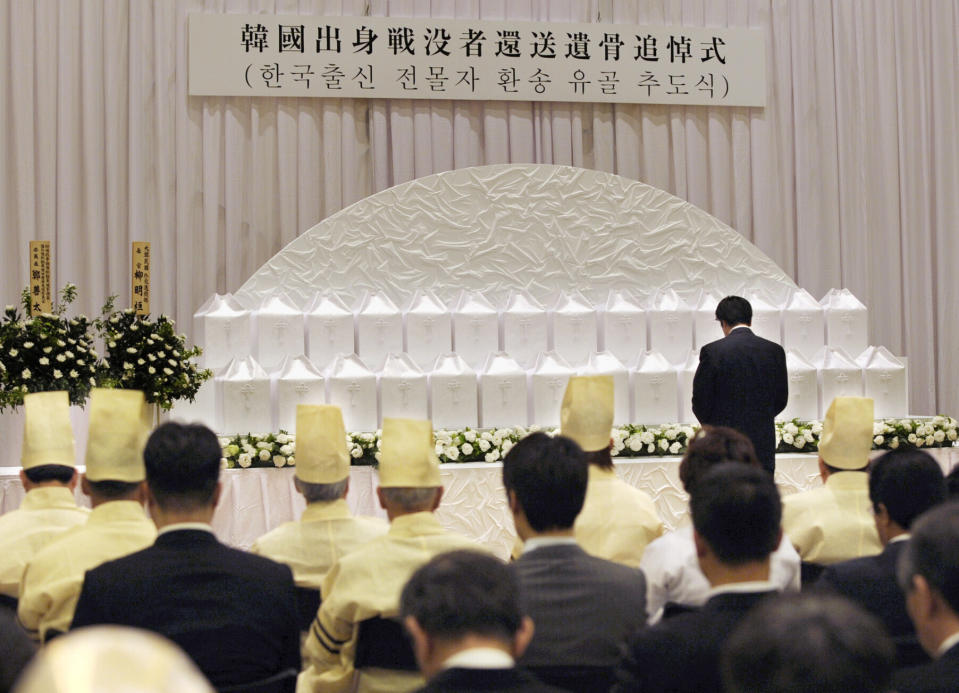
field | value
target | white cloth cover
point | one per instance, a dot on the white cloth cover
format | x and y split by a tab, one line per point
243	398
330	329
804	324
428	329
573	328
475	329
403	391
655	389
296	381
280	331
687	370
670	326
706	327
622	326
839	376
502	393
604	363
453	393
525	334
223	328
352	387
884	379
379	329
767	318
803	400
847	321
201	410
548	384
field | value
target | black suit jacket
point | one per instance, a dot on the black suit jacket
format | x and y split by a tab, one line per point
234	613
458	680
871	582
938	676
682	653
741	382
583	608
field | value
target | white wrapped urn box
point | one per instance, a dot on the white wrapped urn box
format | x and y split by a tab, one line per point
623	326
201	410
884	379
379	330
604	363
574	333
670	324
453	393
767	318
524	328
804	325
428	329
706	327
403	389
279	329
475	329
502	393
548	385
243	398
329	325
846	321
352	387
655	388
839	376
297	381
687	371
224	329
803	402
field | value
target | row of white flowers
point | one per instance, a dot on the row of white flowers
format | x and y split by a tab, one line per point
469	445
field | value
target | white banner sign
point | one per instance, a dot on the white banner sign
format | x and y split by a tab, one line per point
399	58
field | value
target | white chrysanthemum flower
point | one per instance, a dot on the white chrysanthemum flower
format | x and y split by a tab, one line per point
469	436
791	428
61	358
265	455
151	357
224	464
279	460
28	345
57	373
26	374
263	445
894	443
151	370
675	448
467	448
47	350
800	443
647	437
808	436
13	353
244	460
168	371
507	446
291	461
484	445
788	438
73	373
878	440
663	444
912	438
131	350
452	453
377	456
952	435
651	448
634	443
930	440
231	449
61	343
487	436
140	362
356	453
127	366
286	450
44	361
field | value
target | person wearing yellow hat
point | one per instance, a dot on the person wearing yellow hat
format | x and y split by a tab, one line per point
835	522
356	638
327	529
118	524
49	477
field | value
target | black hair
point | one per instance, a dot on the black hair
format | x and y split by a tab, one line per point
182	465
549	477
710	446
112	490
600	458
50	472
908	481
734	310
933	552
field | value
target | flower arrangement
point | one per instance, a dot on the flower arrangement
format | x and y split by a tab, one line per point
46	352
272	450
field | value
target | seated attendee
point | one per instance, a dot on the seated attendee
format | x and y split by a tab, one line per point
736	526
674	580
16	649
929	575
463	612
327	530
49	477
234	613
356	641
584	607
117	525
903	484
808	643
834	522
112	659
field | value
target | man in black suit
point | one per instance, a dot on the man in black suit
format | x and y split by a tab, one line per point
234	613
584	607
463	612
929	575
741	381
903	484
736	526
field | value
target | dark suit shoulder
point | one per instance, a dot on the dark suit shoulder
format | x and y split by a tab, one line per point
461	680
938	676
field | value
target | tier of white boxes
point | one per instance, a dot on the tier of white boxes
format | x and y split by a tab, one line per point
480	365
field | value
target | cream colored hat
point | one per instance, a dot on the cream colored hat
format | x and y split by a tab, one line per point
847	433
587	413
119	426
47	431
321	455
112	659
407	457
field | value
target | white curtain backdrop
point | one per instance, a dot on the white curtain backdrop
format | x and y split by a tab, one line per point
849	176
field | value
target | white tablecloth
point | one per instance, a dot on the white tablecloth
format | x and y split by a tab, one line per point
255	501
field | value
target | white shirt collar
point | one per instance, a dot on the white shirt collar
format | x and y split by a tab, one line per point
480	658
740	587
900	537
540	542
176	526
947	644
736	327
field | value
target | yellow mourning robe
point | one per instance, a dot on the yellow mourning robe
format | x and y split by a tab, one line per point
45	513
53	579
363	585
833	523
324	534
617	520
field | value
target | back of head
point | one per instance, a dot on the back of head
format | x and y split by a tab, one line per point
796	643
549	477
464	593
737	510
734	310
182	465
933	552
712	445
908	482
